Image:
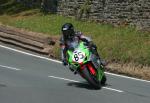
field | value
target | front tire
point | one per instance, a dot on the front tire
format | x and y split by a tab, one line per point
91	79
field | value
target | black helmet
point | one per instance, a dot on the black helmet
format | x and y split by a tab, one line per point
68	30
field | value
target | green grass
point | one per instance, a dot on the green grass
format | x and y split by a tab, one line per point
116	44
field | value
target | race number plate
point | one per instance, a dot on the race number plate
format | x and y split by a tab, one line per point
78	56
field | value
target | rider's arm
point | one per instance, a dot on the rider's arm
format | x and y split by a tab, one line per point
86	39
62	46
83	38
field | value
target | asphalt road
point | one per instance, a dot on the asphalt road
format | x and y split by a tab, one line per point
26	78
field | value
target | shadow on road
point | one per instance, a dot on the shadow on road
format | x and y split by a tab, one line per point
2	85
85	85
82	85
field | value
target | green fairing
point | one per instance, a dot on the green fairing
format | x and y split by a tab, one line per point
70	53
75	65
100	73
84	49
80	47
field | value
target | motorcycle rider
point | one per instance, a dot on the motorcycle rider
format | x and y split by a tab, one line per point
68	36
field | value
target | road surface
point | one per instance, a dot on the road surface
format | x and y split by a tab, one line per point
28	78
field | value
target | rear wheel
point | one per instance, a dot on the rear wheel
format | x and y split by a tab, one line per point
91	79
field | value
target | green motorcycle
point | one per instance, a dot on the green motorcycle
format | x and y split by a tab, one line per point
82	61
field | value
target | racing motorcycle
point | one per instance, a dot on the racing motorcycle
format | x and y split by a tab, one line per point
82	61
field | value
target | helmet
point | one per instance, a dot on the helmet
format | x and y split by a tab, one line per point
68	30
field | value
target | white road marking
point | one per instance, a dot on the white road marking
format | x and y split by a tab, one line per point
120	91
61	62
12	68
127	77
19	51
64	79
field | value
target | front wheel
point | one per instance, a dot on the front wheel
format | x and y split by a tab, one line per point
91	79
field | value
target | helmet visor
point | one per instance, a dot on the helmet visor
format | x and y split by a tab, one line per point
67	33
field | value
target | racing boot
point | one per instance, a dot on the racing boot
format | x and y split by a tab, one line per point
65	62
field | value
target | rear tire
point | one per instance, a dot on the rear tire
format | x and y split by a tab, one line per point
91	79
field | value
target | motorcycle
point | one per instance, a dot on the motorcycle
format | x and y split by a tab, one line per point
82	61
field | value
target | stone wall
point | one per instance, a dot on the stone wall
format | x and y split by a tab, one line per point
120	12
